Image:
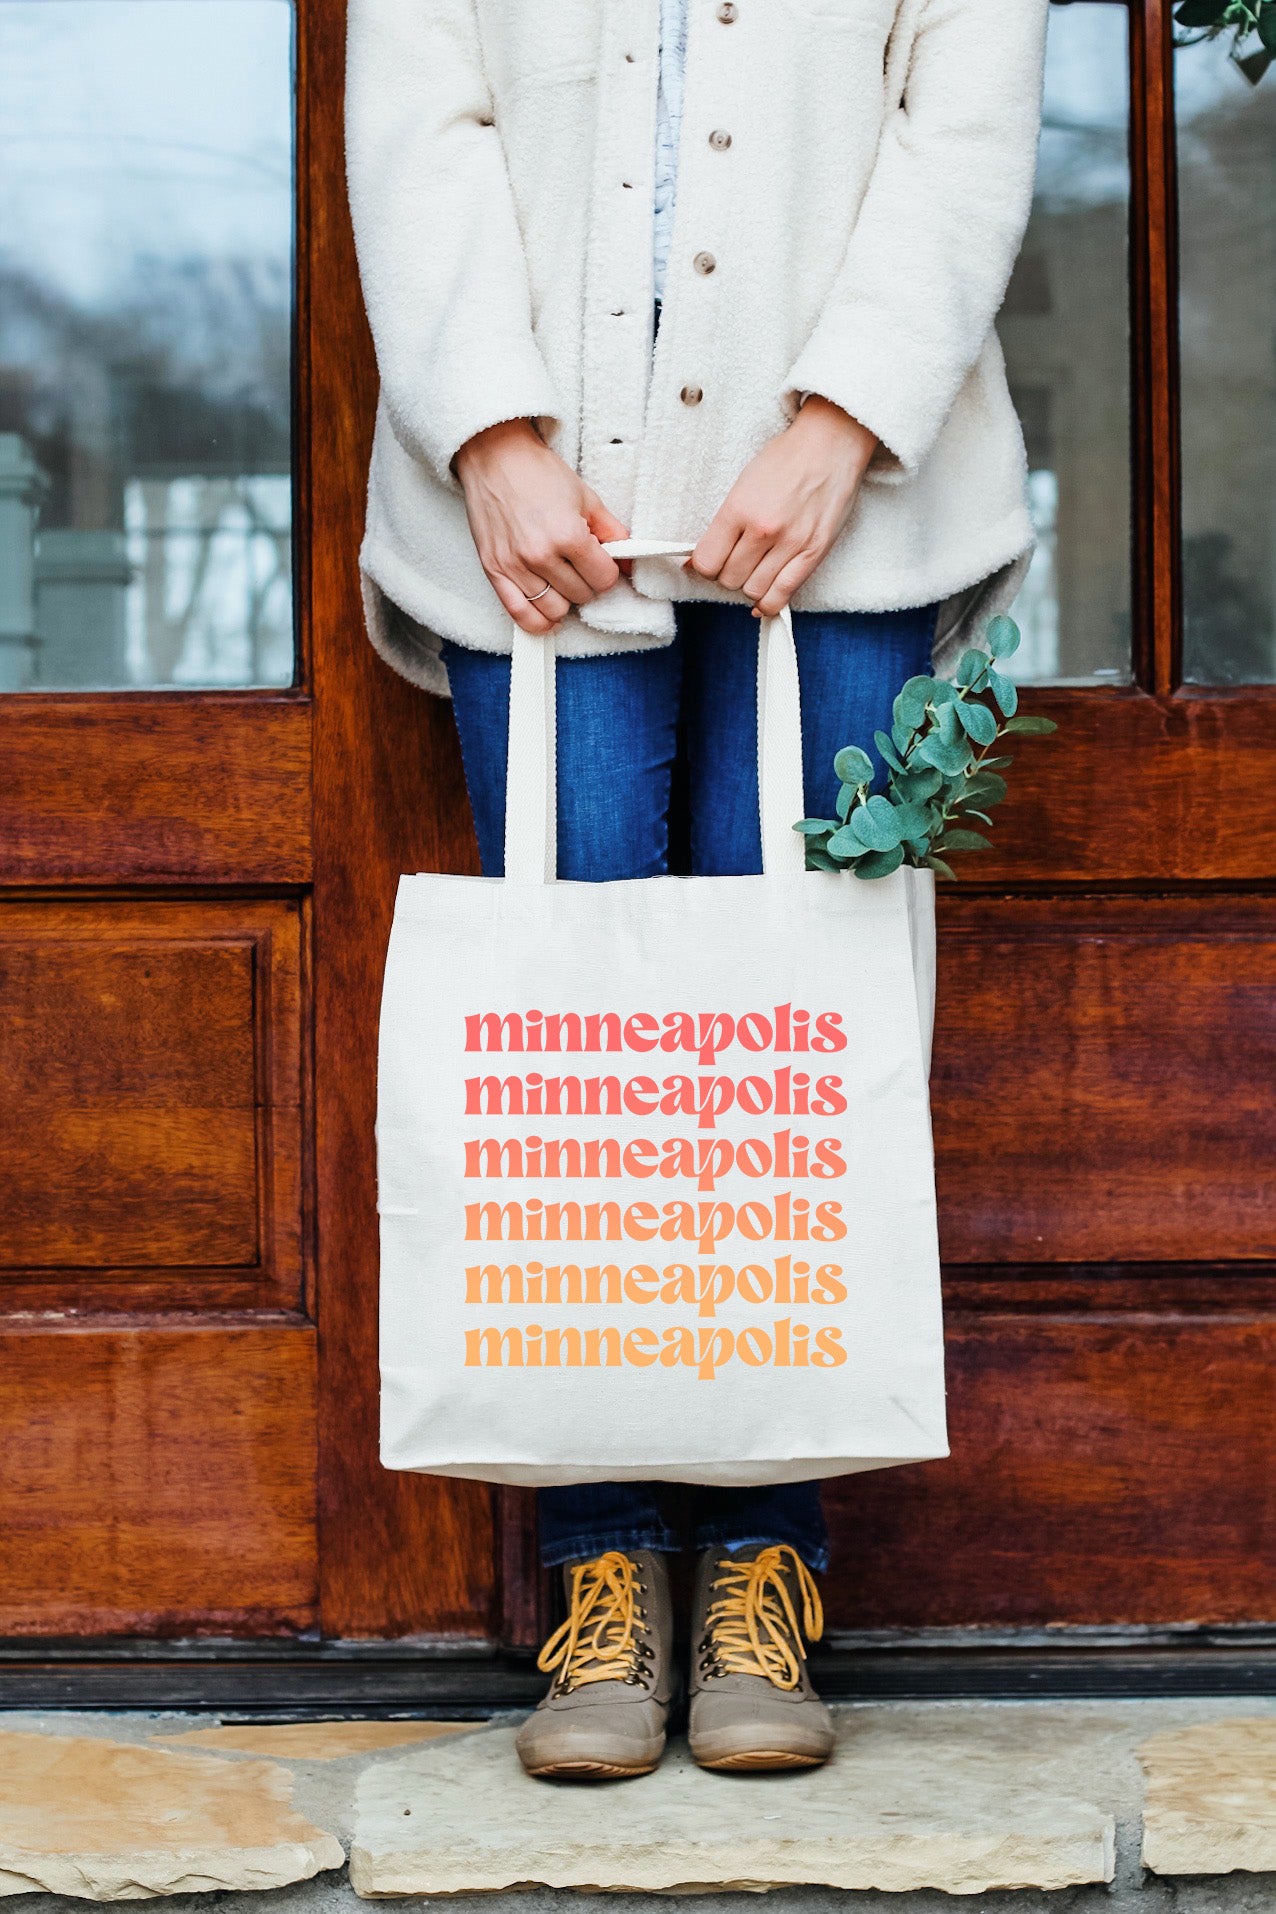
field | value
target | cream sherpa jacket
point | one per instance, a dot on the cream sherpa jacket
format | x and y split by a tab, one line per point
852	238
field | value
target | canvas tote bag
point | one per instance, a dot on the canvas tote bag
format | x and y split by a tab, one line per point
656	1182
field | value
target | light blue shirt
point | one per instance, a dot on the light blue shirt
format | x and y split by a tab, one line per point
673	60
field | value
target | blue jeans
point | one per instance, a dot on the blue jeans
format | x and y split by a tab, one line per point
623	720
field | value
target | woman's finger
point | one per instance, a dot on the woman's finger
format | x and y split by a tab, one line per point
538	618
548	566
786	582
716	545
748	553
605	526
597	567
767	570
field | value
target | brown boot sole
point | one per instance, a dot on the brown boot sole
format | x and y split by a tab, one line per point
589	1771
763	1760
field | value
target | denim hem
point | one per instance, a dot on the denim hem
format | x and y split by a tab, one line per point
584	1548
816	1558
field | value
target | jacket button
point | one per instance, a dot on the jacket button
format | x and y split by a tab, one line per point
719	141
727	12
704	262
691	395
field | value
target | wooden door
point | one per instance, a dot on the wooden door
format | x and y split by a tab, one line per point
197	890
1106	1030
208	789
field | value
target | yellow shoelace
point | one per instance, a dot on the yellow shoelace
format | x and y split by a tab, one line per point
752	1628
601	1639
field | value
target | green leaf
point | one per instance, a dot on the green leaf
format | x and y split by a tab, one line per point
818	860
1030	726
1267	28
986	787
847	794
919	846
995	764
972	667
880	863
916	786
962	841
887	750
1200	13
977	721
950	758
875	824
912	699
1003	690
815	826
941	692
912	820
1003	636
938	865
853	766
844	843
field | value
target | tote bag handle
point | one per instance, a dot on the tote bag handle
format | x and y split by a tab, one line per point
531	813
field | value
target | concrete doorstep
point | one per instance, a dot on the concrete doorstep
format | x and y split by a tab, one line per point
1061	1804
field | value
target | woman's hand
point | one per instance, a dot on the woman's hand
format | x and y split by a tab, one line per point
535	523
787	507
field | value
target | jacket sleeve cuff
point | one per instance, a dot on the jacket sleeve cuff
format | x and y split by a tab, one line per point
511	382
878	382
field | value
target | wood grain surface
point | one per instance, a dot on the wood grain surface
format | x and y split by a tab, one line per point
1103	1080
1137	791
162	787
151	1126
1103	1470
157	1480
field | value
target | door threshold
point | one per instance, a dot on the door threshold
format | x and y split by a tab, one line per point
471	1680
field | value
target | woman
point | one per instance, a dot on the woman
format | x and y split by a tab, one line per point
810	210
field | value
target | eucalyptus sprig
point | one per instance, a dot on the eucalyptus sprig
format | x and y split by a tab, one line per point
940	773
1206	19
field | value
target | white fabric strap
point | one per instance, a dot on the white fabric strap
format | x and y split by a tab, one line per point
531	821
531	786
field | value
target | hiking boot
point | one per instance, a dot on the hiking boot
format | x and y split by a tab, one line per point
752	1703
612	1663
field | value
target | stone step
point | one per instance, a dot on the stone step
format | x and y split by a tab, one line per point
104	1821
967	1804
1041	1804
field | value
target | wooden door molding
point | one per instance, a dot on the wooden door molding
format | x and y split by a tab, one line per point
401	1554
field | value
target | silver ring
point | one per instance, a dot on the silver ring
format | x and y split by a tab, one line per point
537	594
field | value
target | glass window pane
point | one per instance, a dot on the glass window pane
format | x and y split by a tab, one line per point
1227	327
145	342
1065	330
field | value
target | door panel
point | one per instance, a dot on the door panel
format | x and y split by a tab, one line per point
150	1141
1102	1080
158	1478
1102	1471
